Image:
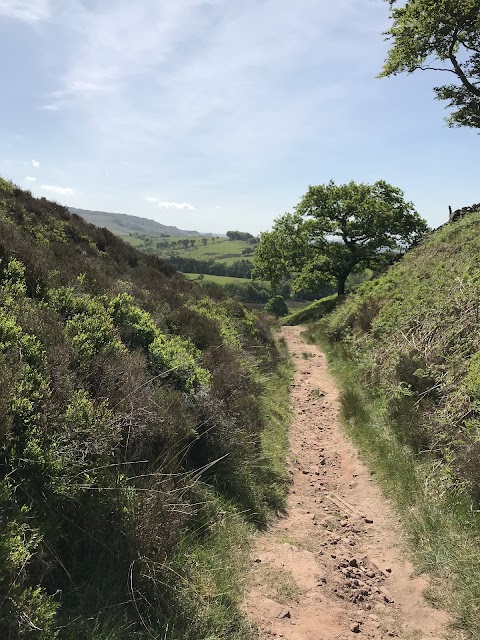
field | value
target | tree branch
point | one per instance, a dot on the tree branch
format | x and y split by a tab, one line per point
422	68
467	46
458	69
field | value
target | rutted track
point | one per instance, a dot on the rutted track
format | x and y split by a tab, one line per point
335	565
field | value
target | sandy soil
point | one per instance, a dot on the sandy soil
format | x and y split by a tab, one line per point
335	566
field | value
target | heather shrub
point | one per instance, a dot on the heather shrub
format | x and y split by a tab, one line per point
130	422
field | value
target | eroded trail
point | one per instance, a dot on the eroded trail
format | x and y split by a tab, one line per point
334	566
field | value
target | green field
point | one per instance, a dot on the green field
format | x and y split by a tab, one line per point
134	241
217	279
204	248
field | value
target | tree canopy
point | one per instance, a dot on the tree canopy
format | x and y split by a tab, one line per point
239	235
335	230
440	35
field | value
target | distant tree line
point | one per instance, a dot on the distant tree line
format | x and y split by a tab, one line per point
183	243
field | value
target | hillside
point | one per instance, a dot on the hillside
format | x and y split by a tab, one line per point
139	437
406	350
123	224
203	247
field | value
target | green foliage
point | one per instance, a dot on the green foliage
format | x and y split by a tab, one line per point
6	186
239	235
175	358
335	231
440	35
277	306
131	405
220	314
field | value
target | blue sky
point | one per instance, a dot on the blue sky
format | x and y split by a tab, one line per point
215	114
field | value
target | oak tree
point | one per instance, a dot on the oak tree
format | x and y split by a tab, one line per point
335	230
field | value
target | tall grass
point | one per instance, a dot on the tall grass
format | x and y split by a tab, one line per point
442	523
275	407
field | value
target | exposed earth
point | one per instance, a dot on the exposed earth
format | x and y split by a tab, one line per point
335	566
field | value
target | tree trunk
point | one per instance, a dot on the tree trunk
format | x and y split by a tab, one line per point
341	280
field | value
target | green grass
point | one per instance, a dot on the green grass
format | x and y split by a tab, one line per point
229	261
276	410
217	279
134	241
311	312
281	585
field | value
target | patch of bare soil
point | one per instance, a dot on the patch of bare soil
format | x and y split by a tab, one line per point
335	566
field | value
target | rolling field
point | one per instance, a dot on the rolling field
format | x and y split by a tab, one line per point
217	279
202	248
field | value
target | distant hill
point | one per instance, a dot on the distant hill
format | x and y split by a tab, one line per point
122	224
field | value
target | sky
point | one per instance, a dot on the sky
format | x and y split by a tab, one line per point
214	114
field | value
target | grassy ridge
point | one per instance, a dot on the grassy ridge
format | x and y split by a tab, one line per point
311	312
136	421
405	349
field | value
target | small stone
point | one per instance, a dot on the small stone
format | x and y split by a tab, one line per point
355	628
353	562
386	595
368	520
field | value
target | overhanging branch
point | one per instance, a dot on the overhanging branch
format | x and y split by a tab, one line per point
458	69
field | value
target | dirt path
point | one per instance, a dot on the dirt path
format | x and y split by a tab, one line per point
333	567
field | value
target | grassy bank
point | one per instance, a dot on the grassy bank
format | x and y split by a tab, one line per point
442	525
311	312
405	348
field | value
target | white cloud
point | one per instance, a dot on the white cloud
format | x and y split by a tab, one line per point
175	205
151	199
30	179
35	163
227	75
27	10
51	107
62	191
